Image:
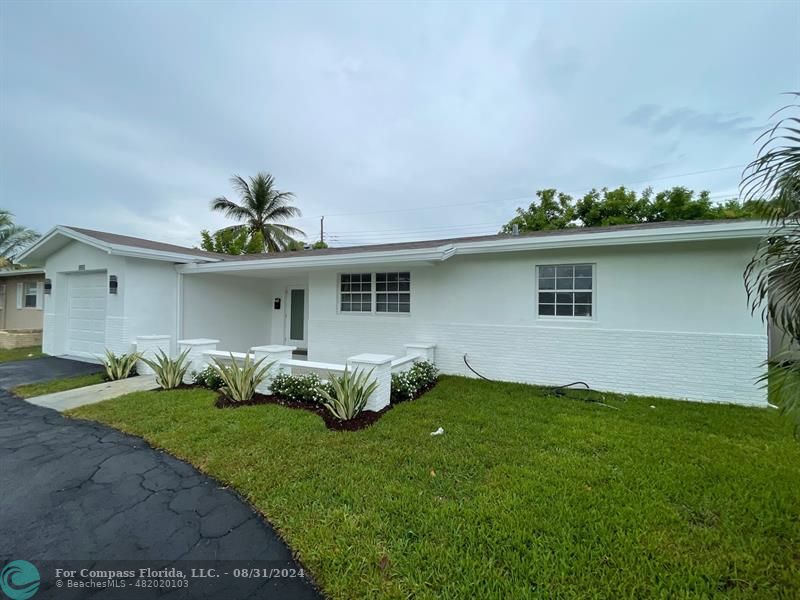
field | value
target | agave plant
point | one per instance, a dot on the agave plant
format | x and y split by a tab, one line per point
351	391
240	382
120	366
773	276
169	371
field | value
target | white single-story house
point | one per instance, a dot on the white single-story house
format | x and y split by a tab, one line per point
655	309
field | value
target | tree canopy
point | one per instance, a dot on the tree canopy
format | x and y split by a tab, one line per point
263	209
621	206
228	241
13	238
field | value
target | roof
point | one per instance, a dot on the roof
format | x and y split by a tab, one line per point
135	242
429	250
487	238
113	243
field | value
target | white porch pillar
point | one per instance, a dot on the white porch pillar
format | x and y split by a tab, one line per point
149	346
381	367
425	352
278	354
196	359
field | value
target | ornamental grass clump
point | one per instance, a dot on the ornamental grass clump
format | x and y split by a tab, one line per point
169	371
240	382
351	391
120	366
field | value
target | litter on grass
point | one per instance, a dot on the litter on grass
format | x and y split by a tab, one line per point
439	431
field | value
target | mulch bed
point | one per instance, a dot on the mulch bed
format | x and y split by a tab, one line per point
362	421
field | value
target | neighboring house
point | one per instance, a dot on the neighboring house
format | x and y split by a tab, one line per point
21	304
657	309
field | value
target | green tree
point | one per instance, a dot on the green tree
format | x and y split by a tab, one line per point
263	208
621	206
773	276
13	238
228	241
319	245
613	207
554	210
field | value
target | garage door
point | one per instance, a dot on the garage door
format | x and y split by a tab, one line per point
86	321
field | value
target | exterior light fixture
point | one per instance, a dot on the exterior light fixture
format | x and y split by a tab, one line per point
113	284
48	286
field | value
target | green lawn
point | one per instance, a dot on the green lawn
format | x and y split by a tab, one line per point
20	353
58	385
524	495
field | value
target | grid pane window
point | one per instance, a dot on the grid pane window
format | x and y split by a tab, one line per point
29	292
565	290
355	292
393	292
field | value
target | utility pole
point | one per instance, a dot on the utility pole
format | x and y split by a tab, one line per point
321	230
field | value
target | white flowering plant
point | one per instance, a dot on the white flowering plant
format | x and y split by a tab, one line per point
300	388
411	384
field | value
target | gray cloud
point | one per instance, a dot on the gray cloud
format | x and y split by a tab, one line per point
688	121
131	117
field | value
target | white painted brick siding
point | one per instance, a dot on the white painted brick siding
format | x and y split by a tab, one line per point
688	366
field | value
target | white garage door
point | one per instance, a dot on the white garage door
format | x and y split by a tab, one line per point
86	321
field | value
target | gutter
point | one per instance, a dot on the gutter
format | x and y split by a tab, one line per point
445	251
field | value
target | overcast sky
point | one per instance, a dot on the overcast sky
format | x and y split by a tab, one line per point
396	120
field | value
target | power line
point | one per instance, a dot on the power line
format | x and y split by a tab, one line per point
529	196
447	230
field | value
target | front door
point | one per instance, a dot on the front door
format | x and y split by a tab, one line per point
296	324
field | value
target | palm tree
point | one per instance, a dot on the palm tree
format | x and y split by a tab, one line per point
13	238
773	276
262	208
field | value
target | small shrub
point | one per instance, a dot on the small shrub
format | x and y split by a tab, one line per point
169	371
412	383
351	390
240	382
207	378
301	388
120	366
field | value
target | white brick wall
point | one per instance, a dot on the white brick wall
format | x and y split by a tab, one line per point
117	339
690	366
150	346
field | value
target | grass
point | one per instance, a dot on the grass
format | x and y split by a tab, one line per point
524	495
20	353
58	385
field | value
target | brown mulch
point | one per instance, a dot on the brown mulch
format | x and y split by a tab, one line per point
362	421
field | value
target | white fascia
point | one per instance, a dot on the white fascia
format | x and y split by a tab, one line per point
691	233
114	249
437	254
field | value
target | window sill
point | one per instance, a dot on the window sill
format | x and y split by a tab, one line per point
566	321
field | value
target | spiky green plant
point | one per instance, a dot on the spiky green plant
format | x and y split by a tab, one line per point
120	366
240	382
351	390
169	371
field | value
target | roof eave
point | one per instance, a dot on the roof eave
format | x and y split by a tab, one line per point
689	233
30	253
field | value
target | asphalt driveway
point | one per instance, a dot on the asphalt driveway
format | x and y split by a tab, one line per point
75	490
45	368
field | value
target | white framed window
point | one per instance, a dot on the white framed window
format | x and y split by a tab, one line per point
30	294
355	292
375	293
393	292
565	291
